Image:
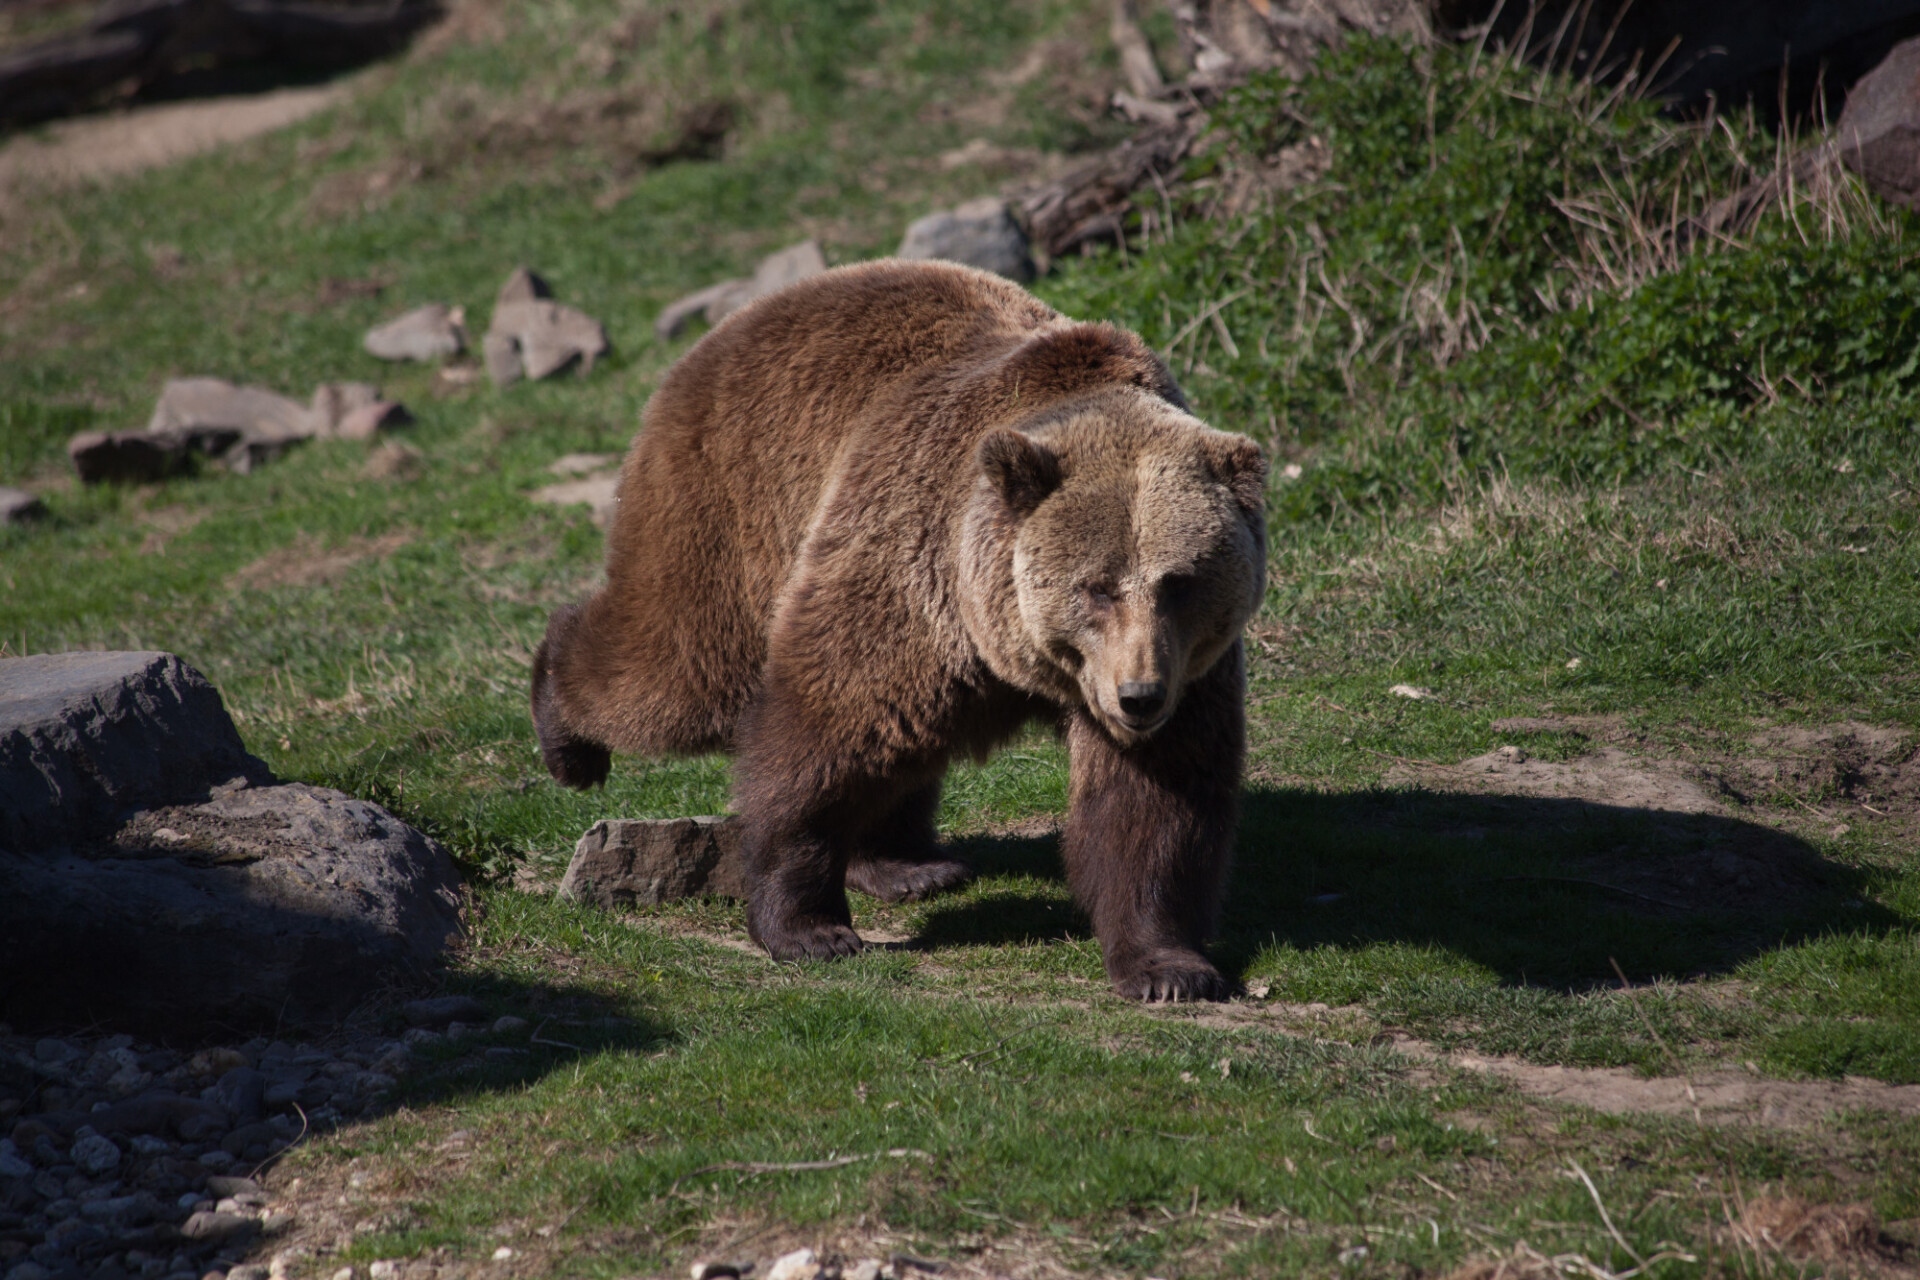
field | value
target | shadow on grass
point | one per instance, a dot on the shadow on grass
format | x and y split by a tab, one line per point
1540	891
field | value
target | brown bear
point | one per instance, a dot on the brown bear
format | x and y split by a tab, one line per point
884	518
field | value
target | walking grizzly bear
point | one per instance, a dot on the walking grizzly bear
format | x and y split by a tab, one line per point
883	518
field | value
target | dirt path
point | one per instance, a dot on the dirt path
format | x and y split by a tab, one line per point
97	147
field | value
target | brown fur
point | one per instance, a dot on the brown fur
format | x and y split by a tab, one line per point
885	517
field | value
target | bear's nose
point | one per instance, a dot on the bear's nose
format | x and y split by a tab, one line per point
1141	699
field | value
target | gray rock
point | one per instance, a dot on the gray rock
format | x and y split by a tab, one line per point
1879	130
369	420
600	493
218	1228
271	904
432	332
334	401
438	1011
523	285
117	1213
17	506
716	302
240	1093
510	1026
980	233
622	862
206	410
537	339
29	1271
84	737
225	1186
93	1154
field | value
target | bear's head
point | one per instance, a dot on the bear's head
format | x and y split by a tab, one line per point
1125	545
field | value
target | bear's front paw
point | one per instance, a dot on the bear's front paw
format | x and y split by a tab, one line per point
894	880
1170	975
803	939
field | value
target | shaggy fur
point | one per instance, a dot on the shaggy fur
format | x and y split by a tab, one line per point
885	517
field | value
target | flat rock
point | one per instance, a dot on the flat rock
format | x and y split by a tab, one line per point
193	407
602	493
523	285
17	506
333	402
980	233
623	862
369	420
86	737
536	338
272	905
1880	126
718	301
428	333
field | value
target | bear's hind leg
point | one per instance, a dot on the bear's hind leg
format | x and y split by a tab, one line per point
573	761
899	859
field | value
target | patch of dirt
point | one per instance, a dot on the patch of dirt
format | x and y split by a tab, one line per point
1609	776
1873	767
309	564
1718	1097
98	147
167	523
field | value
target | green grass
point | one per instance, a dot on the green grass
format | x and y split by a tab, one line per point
1532	490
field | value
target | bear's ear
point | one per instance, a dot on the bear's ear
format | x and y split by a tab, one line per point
1021	470
1238	463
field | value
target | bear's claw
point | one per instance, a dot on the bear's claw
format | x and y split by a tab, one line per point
897	880
1171	977
810	940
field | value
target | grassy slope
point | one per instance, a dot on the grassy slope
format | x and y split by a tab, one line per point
1052	1117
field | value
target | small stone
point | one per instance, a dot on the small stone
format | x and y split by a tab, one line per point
620	862
278	1223
333	401
217	1159
798	1265
241	1092
12	1166
217	1227
428	333
601	493
508	1025
865	1269
421	1038
217	1061
92	1153
502	1253
715	1271
980	233
251	1271
344	1273
370	420
29	1271
17	506
546	337
438	1011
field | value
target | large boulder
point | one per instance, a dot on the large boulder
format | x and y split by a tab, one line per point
1880	127
86	738
152	875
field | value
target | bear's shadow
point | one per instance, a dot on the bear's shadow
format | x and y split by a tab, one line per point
1540	891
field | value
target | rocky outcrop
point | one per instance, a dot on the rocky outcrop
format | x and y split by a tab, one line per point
152	875
1879	132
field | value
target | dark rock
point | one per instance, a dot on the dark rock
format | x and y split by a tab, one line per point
240	1091
247	1135
980	233
84	737
1880	127
621	862
432	332
281	904
17	506
441	1010
129	457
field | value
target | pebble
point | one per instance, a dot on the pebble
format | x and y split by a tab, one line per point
798	1265
865	1269
510	1025
217	1159
248	1272
383	1269
344	1273
29	1271
715	1271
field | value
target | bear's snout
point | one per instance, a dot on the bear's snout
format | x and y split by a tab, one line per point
1141	701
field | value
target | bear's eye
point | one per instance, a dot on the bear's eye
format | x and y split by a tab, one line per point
1099	596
